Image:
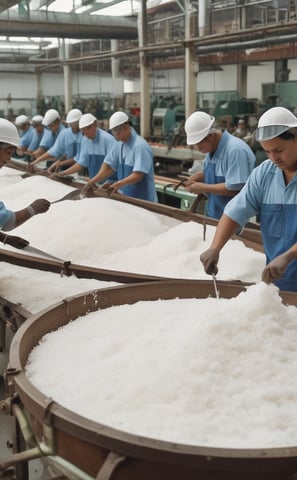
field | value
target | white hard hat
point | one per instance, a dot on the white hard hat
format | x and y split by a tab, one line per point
117	119
73	115
197	127
21	120
9	133
274	122
50	116
37	119
86	120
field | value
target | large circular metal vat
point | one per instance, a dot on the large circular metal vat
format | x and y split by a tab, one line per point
80	448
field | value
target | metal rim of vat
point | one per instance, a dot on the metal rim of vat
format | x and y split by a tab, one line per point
68	425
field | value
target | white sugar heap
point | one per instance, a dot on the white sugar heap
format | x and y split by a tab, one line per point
225	369
109	234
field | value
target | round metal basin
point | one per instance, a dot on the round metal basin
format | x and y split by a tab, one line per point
85	449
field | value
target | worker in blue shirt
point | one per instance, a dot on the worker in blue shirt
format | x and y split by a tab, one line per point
26	133
54	126
227	164
67	145
9	140
37	134
271	193
95	145
131	159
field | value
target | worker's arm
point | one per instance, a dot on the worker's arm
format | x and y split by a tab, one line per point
38	152
16	242
44	156
73	169
224	231
104	172
134	177
214	188
18	218
196	177
277	267
60	163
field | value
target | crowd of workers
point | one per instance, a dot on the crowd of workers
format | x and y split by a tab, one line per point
120	160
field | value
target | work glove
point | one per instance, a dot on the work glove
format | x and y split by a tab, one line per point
39	206
16	242
209	259
275	269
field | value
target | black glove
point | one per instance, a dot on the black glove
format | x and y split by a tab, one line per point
209	259
39	206
16	242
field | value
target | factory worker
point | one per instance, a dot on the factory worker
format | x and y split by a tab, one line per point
95	145
226	167
9	140
38	128
131	159
54	126
67	144
271	193
26	133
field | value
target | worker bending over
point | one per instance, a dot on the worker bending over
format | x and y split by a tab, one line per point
131	159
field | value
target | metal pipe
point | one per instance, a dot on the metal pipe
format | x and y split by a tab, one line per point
24	426
201	50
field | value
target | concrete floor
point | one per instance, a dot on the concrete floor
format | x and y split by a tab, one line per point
37	470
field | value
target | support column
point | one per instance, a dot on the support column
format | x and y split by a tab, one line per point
242	80
145	113
191	66
64	53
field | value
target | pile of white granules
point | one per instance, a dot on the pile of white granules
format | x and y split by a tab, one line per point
211	372
108	234
226	368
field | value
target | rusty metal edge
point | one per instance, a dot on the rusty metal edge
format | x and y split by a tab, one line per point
46	410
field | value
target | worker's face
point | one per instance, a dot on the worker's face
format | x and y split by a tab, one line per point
283	153
90	131
74	127
54	126
6	151
39	128
207	145
122	132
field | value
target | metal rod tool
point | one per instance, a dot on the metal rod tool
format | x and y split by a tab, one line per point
215	285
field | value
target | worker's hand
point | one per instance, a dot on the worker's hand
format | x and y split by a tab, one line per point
16	242
31	167
56	176
275	269
54	167
40	206
195	187
88	187
210	259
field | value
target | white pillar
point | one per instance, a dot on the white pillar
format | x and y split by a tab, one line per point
144	75
64	55
191	66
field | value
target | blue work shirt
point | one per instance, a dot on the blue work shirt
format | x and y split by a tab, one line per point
135	155
67	143
5	215
93	152
26	137
231	163
267	195
36	139
49	138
